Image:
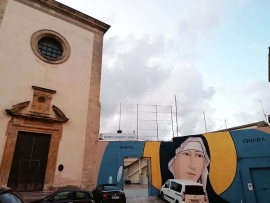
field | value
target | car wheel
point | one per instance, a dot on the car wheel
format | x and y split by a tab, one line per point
162	196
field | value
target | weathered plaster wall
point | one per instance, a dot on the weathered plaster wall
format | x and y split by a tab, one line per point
20	69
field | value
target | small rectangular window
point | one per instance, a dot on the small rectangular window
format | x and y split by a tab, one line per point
63	196
173	186
179	188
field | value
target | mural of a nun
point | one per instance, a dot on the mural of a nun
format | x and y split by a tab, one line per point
191	162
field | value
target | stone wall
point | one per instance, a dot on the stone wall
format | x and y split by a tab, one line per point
93	120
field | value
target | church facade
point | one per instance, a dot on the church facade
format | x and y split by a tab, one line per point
50	71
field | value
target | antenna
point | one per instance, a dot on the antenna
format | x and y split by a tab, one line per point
263	112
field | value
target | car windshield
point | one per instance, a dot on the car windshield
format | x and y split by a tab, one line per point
194	190
110	187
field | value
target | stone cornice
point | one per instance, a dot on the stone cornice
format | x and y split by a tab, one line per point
68	14
43	89
14	112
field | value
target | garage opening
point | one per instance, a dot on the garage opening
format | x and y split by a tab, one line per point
136	176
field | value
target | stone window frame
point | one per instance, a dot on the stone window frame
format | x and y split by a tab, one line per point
50	34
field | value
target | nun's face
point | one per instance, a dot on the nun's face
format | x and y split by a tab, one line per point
189	165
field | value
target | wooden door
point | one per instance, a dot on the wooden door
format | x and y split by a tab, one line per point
29	162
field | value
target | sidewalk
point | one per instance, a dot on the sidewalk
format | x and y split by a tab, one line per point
134	191
139	194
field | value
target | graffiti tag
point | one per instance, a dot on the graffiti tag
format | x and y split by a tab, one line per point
258	139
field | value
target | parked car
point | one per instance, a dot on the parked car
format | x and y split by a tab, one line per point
7	195
109	193
182	191
67	196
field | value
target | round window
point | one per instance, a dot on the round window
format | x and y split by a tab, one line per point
50	46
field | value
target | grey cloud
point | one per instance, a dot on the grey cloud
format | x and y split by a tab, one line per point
151	85
152	70
244	117
250	109
130	75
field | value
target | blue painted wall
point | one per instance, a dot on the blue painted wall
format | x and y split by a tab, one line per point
113	159
252	152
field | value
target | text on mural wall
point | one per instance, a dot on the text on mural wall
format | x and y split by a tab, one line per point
125	147
251	140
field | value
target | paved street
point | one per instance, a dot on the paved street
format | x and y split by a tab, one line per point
139	194
144	200
134	191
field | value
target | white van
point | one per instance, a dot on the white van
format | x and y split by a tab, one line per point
183	191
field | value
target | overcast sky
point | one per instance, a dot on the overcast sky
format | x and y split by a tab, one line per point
210	54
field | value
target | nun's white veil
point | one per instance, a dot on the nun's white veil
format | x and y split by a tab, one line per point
195	143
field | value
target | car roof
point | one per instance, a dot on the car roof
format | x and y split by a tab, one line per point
66	190
185	182
77	190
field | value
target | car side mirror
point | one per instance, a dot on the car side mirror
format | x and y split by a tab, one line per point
166	185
